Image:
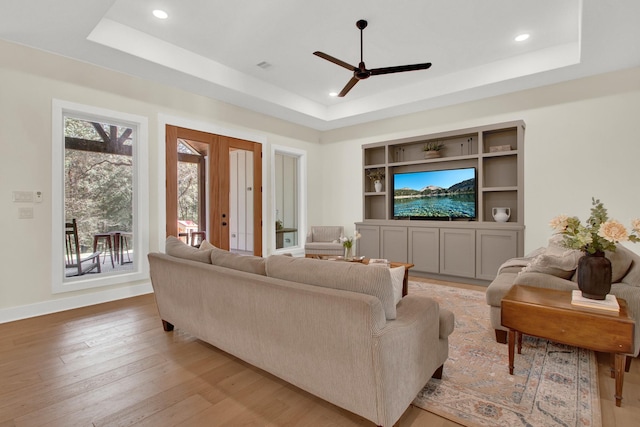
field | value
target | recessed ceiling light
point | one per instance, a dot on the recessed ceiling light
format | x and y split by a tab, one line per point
333	93
522	37
160	14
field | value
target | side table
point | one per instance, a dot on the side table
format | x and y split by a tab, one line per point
549	314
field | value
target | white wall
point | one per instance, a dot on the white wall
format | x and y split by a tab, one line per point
582	139
29	80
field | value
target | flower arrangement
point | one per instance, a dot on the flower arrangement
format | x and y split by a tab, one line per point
347	242
433	146
375	174
598	234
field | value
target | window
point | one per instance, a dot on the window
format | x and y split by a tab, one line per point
192	204
289	172
100	211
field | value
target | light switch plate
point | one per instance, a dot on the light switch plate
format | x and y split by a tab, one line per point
38	197
25	213
22	196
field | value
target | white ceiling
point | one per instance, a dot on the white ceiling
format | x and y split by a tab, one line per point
212	47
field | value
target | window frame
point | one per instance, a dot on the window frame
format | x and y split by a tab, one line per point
301	156
140	155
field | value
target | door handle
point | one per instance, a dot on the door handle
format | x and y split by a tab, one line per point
224	223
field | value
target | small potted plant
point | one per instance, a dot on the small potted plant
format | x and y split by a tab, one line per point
376	175
432	149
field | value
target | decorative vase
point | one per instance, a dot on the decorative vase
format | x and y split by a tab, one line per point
378	185
501	214
431	154
348	252
594	275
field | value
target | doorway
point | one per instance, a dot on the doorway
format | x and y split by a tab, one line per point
218	207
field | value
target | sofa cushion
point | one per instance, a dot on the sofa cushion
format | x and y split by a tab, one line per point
620	262
246	263
350	276
177	248
206	245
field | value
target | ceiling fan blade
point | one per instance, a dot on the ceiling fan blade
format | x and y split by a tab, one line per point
351	83
400	68
335	60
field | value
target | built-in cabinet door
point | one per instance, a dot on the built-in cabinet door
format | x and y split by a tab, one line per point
369	243
424	249
493	248
393	243
457	252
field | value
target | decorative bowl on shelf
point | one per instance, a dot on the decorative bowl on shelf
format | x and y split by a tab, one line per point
431	154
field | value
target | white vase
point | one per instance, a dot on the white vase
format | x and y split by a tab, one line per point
501	214
378	185
348	252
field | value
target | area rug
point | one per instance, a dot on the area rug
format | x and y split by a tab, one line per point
552	385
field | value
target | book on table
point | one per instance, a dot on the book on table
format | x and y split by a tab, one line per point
609	304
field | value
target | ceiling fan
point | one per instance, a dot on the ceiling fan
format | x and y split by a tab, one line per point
361	72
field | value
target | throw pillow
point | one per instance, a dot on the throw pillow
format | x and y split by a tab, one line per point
349	276
555	261
206	245
397	277
177	248
247	263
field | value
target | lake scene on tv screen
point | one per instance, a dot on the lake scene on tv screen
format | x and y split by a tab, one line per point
435	194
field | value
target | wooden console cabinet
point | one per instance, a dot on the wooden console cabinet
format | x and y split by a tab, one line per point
470	248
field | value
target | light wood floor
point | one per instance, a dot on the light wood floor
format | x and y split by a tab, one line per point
113	365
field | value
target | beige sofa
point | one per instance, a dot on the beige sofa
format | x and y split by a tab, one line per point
554	268
294	318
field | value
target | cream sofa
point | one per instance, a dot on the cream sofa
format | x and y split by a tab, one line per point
294	318
554	268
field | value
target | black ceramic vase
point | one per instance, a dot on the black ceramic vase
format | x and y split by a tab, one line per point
594	275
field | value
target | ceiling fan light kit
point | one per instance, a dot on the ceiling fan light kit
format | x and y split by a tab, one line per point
361	72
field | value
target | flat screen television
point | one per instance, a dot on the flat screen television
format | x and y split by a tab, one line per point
435	195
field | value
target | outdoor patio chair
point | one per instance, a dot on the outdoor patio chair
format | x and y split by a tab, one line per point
197	237
74	258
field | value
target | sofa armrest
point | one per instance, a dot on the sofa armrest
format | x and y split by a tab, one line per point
407	353
542	280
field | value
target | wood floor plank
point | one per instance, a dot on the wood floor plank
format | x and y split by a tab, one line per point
141	410
112	365
175	414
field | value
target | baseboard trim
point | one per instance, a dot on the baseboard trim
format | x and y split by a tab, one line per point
53	306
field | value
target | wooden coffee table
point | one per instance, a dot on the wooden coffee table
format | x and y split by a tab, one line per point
549	314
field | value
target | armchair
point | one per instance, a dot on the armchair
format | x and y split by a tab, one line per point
324	240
